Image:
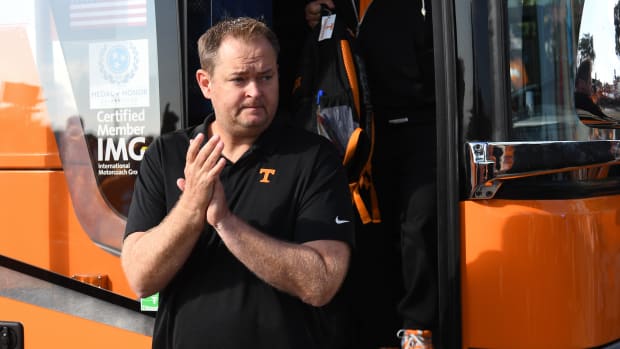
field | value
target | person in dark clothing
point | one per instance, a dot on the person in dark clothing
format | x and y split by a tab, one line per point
242	224
583	93
395	263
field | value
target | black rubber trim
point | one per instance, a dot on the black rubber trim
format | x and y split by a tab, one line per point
611	345
547	189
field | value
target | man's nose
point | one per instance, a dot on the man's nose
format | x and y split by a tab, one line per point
253	88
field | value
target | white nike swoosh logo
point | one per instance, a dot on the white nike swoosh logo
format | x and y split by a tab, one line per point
340	221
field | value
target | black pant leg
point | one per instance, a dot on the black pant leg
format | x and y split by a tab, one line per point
405	174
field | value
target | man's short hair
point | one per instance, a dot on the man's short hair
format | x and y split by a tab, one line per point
243	28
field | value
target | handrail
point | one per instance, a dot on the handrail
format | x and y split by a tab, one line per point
492	163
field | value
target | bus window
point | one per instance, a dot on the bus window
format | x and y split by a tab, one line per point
548	41
106	66
540	70
597	93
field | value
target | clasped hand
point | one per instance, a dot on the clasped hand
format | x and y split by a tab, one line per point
201	187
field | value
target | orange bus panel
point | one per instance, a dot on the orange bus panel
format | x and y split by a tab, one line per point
40	228
541	273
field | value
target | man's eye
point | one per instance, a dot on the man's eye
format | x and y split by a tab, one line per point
267	77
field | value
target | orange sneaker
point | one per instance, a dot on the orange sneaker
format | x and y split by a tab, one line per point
415	339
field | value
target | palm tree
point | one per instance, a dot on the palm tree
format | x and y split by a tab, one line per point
586	46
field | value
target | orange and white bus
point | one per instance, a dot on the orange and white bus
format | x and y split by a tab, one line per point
528	181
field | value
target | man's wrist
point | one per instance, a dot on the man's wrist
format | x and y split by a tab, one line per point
225	224
190	214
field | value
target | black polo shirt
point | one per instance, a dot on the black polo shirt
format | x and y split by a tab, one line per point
291	185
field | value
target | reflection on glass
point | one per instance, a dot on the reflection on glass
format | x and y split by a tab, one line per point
540	69
585	96
108	52
598	47
548	42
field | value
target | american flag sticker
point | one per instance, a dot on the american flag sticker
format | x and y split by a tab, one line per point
84	14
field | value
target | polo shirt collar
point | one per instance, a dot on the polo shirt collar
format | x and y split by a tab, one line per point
267	141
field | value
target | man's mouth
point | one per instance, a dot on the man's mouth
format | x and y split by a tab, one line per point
252	107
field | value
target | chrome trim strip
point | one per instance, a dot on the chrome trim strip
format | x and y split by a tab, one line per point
491	163
38	292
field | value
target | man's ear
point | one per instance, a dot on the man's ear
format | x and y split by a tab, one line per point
204	82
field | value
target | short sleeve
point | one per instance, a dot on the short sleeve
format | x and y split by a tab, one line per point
148	206
326	210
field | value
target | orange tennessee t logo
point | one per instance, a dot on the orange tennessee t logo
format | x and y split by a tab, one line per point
266	172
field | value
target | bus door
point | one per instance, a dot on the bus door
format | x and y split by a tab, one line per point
530	228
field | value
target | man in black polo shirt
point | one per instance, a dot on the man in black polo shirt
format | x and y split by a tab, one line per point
242	224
